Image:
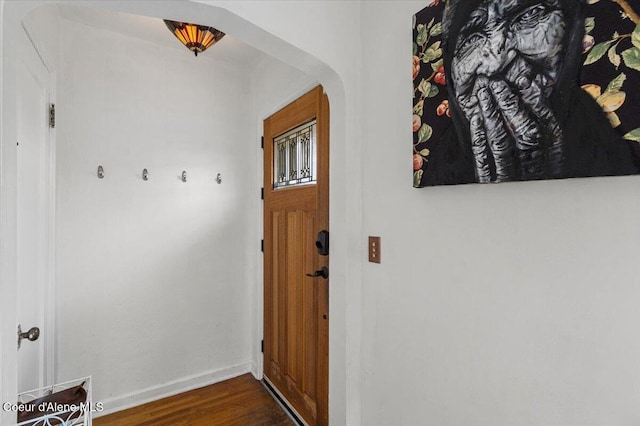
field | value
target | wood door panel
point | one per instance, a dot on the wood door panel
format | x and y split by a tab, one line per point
310	312
296	306
304	198
295	293
294	274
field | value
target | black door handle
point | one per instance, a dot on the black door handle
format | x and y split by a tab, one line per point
322	272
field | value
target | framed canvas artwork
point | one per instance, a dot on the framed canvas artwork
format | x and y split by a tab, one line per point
512	90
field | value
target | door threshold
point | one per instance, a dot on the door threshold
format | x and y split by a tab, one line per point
282	401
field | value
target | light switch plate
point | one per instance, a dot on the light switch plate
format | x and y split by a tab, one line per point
374	249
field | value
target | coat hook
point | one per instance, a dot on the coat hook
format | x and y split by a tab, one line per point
145	174
184	176
100	172
219	178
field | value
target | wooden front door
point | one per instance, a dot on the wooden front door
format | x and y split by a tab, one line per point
296	209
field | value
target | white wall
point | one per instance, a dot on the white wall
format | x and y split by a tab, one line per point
494	305
152	284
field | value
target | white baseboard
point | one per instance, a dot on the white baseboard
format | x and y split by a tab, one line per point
255	371
175	387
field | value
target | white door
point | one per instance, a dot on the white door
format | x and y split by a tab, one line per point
33	202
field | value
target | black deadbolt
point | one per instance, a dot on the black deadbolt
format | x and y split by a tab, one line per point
322	243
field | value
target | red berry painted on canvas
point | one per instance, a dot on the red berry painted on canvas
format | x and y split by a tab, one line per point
443	109
440	77
418	161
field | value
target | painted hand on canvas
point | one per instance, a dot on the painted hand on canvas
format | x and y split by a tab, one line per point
506	62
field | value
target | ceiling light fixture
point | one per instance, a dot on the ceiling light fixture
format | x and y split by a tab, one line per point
197	38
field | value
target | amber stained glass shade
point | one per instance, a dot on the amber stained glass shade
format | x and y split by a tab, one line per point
197	38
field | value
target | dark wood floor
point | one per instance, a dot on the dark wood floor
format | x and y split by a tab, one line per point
240	401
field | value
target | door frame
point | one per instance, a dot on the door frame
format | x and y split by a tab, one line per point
323	118
35	59
259	288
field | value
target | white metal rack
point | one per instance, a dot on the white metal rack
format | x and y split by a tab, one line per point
68	414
